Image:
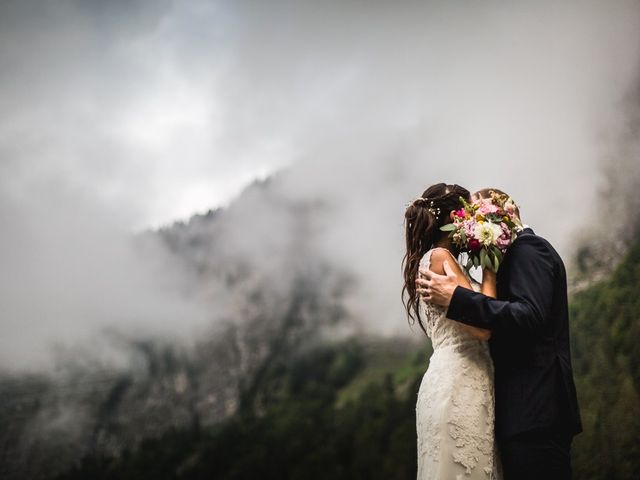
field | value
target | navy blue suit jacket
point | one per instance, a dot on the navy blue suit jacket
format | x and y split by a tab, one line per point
529	323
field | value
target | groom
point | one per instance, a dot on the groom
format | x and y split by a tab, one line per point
535	397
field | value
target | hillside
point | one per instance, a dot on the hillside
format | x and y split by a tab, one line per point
288	374
336	411
50	420
605	330
347	410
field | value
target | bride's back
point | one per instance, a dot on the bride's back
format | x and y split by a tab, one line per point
455	403
445	333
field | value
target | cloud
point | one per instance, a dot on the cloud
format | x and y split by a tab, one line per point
123	115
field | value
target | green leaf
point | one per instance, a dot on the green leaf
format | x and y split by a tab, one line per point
484	259
449	227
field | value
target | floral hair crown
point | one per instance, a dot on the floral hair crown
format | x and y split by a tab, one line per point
421	202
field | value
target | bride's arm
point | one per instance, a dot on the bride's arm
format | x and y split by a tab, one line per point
438	256
488	286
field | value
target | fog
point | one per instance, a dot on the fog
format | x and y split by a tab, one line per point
123	116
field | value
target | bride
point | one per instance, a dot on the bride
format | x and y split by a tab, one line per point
455	402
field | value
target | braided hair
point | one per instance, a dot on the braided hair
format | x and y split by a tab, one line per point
423	219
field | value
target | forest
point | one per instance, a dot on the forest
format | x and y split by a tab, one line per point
346	410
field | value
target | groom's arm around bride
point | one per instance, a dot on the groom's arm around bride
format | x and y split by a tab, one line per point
536	406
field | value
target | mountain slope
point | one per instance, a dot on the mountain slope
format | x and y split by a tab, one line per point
295	425
605	332
50	421
347	410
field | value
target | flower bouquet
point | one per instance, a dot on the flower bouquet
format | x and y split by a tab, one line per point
484	229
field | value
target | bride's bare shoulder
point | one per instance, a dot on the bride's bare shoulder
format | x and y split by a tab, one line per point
438	257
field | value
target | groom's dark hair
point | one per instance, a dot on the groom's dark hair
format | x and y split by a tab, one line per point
486	193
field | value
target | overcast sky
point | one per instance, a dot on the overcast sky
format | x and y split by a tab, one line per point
122	115
160	109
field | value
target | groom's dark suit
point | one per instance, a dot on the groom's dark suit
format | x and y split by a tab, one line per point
536	404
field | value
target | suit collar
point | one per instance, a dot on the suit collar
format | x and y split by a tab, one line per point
527	230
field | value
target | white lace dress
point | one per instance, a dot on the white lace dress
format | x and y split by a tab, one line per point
455	404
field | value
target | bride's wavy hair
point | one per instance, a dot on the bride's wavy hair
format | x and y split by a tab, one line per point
423	219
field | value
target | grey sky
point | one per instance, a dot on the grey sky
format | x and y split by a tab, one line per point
122	115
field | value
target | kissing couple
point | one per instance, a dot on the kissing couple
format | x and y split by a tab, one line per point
498	399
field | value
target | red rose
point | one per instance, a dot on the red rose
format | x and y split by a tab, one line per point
474	244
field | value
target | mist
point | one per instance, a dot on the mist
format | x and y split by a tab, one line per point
120	117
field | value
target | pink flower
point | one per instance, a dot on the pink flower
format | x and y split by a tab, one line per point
469	227
460	213
486	207
504	240
510	208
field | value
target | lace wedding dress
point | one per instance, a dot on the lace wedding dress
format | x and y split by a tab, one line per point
455	405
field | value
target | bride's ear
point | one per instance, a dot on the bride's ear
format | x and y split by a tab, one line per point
452	215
